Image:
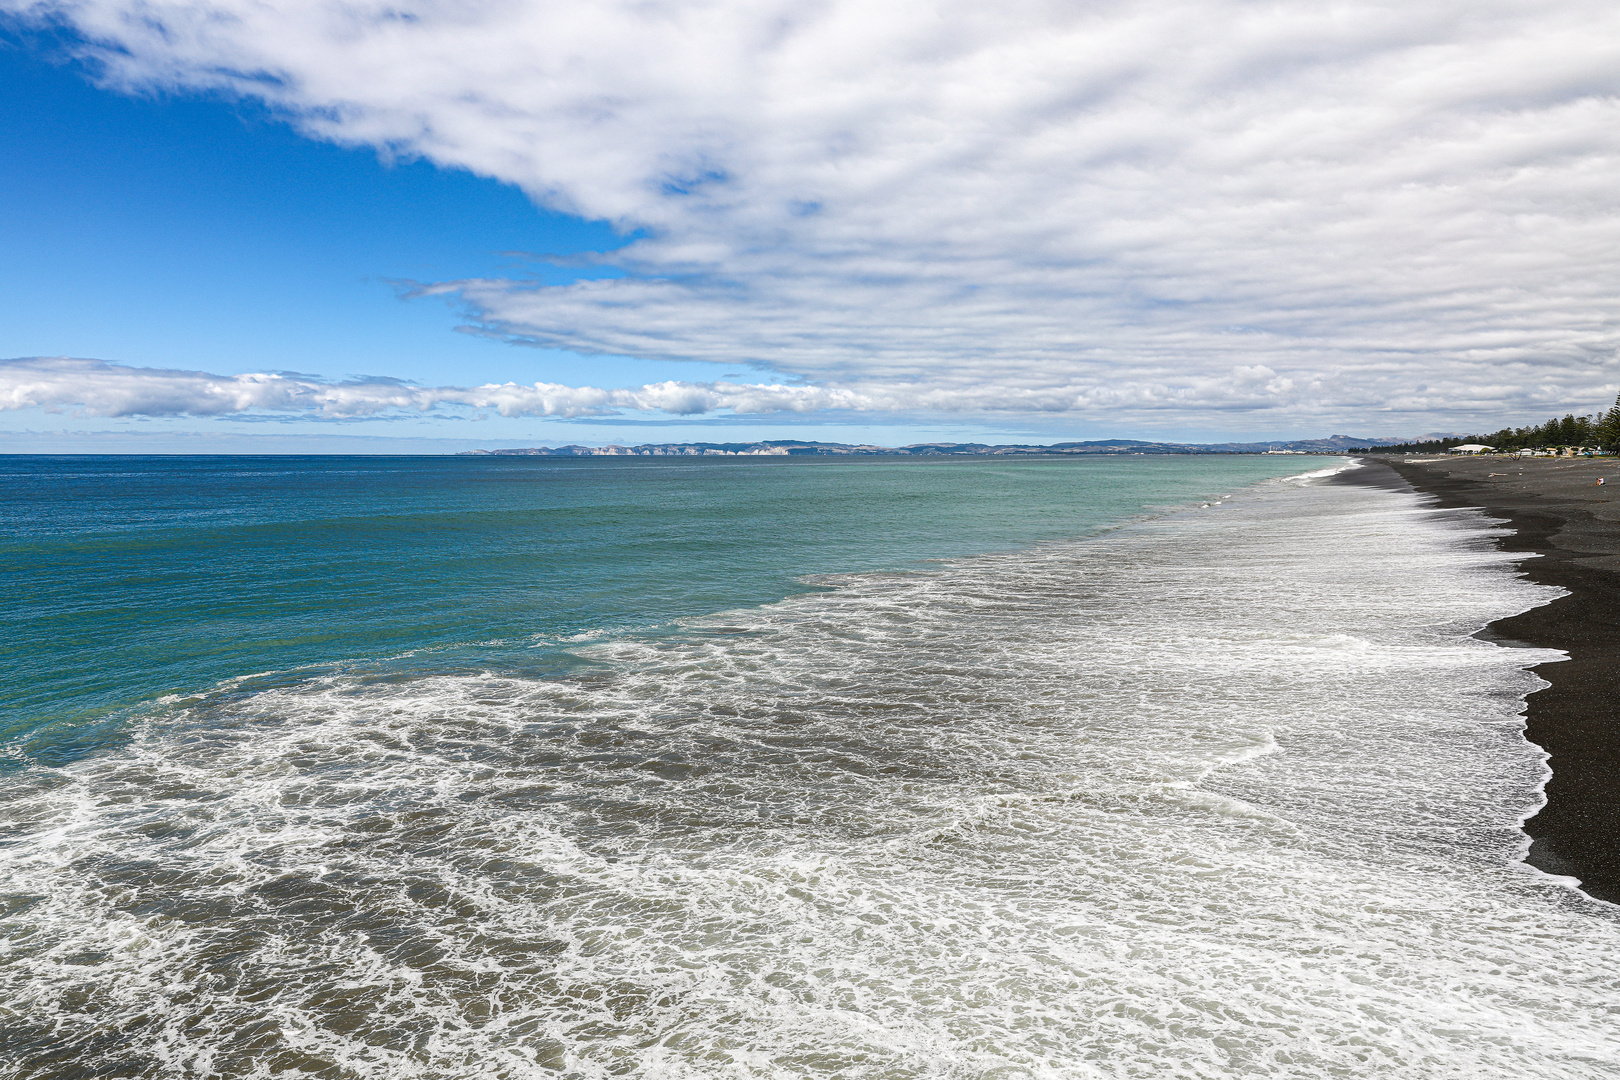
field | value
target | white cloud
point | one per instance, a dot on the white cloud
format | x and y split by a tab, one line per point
1149	209
97	388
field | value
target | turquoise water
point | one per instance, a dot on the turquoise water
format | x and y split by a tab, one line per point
134	578
394	769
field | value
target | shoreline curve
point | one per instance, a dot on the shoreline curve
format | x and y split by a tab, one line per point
1555	510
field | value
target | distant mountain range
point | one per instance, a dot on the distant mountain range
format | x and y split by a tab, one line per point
794	448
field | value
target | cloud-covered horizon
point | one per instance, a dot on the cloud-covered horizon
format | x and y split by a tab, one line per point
99	388
1116	210
89	387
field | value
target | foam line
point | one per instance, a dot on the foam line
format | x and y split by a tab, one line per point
1208	795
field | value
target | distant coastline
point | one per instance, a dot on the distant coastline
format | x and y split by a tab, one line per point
1335	444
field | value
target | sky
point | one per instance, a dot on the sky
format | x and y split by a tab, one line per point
428	226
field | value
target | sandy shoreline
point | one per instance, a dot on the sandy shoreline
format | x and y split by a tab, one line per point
1557	511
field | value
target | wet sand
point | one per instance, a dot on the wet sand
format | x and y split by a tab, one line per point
1559	512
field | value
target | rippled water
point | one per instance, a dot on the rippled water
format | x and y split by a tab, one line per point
1225	792
128	578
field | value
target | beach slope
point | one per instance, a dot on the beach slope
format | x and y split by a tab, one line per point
1559	512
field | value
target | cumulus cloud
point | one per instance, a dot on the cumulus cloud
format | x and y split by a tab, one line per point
98	388
1162	206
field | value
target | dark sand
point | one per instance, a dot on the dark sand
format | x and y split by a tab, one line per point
1557	511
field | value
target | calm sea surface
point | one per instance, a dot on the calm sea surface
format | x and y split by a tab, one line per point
1144	767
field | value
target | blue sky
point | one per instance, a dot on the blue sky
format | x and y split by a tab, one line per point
184	230
171	230
786	219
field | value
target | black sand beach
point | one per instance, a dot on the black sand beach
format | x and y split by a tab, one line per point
1559	512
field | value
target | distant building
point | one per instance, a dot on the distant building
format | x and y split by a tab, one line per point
1471	448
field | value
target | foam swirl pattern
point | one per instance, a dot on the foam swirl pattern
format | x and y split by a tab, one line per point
1229	792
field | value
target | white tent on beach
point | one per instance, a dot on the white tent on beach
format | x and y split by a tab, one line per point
1471	448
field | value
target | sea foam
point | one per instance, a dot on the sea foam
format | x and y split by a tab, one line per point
1215	794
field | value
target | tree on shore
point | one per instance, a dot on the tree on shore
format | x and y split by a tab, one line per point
1608	429
1602	431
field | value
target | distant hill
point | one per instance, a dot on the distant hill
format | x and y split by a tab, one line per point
794	448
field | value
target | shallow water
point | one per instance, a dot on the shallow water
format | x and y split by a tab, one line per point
129	578
1229	791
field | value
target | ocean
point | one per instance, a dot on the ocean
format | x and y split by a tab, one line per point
505	767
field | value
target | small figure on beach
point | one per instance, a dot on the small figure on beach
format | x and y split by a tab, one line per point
1600	481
